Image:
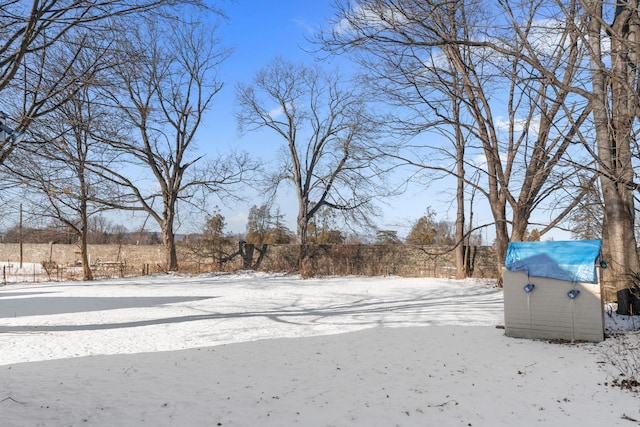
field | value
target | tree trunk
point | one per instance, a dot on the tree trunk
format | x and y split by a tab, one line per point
519	224
303	228
614	128
619	243
461	268
87	274
302	231
169	241
502	239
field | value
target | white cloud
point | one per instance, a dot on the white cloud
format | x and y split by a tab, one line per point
380	17
519	125
304	24
274	113
278	111
480	161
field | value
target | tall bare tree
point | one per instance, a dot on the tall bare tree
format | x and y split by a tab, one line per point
163	85
461	78
59	176
615	98
57	168
323	122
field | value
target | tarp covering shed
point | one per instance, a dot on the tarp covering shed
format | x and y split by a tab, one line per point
552	291
573	261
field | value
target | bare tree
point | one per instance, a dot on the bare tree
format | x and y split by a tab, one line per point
265	227
58	173
60	185
32	35
460	78
615	100
324	125
163	84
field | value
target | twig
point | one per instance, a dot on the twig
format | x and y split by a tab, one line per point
12	399
443	404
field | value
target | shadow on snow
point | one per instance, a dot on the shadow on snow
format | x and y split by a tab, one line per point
434	309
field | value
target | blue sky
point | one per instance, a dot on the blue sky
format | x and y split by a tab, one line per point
259	31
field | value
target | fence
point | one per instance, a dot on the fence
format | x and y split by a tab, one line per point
43	262
48	272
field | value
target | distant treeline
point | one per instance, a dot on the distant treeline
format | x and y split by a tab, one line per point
62	235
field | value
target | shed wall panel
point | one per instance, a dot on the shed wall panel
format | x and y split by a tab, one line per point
548	313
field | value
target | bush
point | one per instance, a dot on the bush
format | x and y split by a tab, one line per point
624	355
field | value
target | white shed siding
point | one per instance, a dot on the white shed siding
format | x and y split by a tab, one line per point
548	313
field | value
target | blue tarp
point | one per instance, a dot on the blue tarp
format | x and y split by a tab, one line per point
564	260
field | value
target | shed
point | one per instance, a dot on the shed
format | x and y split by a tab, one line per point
552	291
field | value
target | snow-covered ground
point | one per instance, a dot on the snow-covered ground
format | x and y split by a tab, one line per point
253	349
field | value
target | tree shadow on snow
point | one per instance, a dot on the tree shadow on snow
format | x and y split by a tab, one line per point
36	306
432	309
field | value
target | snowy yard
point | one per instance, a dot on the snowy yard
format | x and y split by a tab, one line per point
271	350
